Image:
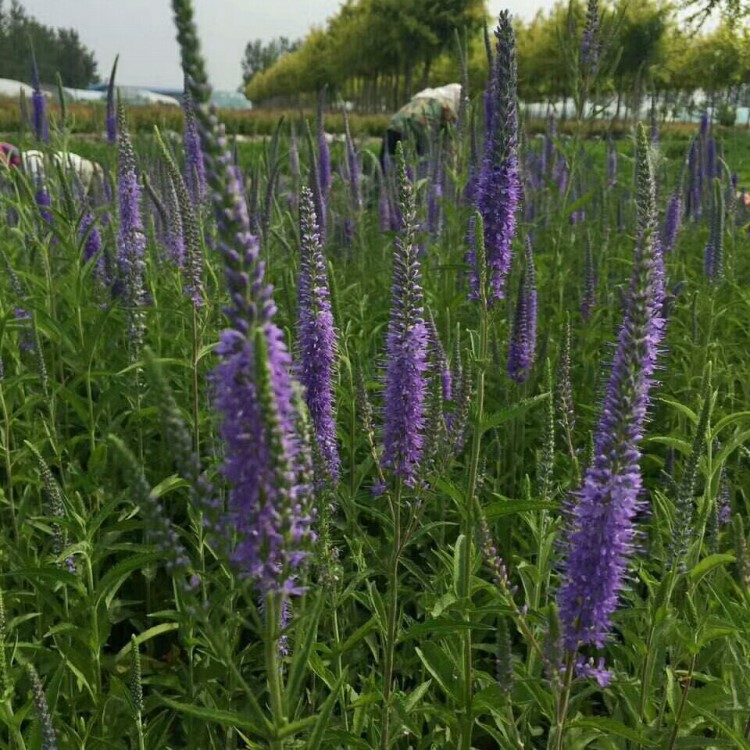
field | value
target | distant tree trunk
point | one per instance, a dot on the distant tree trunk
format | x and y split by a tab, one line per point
426	73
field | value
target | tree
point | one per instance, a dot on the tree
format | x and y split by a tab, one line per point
56	50
260	56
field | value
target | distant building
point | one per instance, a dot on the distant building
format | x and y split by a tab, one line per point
222	99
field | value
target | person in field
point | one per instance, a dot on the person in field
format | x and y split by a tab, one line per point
36	163
427	114
9	155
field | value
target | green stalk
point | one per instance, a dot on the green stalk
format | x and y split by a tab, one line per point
468	531
273	672
390	637
683	701
563	702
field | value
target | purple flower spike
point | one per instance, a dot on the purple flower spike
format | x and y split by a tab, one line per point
405	380
522	351
589	283
498	189
195	171
267	457
131	238
324	154
317	337
672	221
39	104
111	116
44	201
601	535
590	42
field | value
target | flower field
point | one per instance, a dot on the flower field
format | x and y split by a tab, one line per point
301	447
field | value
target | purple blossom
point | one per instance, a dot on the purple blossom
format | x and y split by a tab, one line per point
498	188
131	238
693	204
39	104
293	154
324	154
195	171
111	115
439	359
589	283
522	349
590	42
405	380
48	736
44	201
714	251
267	457
672	219
317	337
601	535
352	168
88	231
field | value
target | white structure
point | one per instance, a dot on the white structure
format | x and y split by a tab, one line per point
33	164
11	88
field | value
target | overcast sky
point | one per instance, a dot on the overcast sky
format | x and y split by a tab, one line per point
143	33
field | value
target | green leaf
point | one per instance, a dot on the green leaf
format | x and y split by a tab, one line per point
509	507
708	564
459	562
439	665
511	412
147	635
324	717
610	727
307	628
685	410
217	716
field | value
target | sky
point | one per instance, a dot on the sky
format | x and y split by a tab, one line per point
142	31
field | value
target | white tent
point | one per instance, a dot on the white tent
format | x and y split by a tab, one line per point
9	87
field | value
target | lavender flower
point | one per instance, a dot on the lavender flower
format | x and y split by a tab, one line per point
693	206
267	455
188	225
92	239
672	222
293	154
498	189
111	116
39	104
590	42
405	381
522	351
589	283
131	239
324	155
714	251
352	167
440	361
49	738
317	337
195	171
601	535
44	201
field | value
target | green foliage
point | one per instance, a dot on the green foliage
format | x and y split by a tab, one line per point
58	51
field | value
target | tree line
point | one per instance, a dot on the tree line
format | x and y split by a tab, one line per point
56	50
376	53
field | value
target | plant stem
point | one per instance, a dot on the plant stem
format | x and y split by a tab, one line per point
465	578
390	636
273	671
683	701
563	702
